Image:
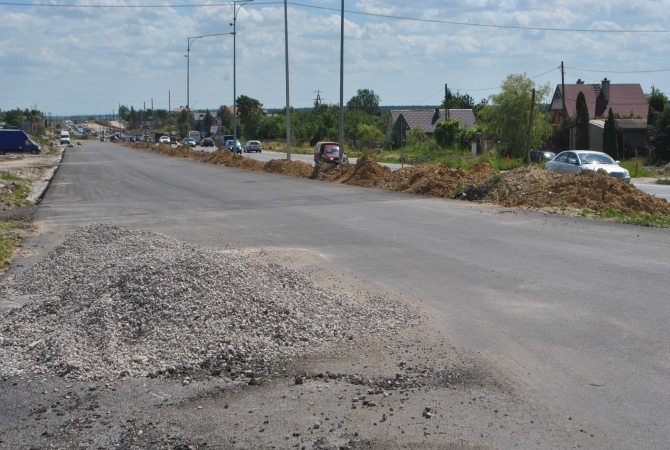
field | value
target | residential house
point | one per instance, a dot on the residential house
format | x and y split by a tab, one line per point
401	121
626	100
631	137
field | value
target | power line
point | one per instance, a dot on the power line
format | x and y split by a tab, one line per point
620	71
385	16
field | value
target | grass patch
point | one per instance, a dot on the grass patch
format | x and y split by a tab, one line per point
15	194
8	176
9	240
663	181
634	166
642	219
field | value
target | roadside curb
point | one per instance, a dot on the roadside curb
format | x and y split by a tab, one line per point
39	187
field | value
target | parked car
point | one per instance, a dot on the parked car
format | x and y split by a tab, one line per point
234	146
541	156
328	152
17	141
164	140
253	146
573	161
207	142
190	142
65	137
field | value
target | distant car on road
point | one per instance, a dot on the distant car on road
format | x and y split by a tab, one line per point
253	146
573	161
328	152
234	146
541	156
190	141
207	142
164	140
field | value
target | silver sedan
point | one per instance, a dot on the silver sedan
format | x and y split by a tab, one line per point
573	161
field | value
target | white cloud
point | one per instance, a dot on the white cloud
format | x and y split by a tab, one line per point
90	60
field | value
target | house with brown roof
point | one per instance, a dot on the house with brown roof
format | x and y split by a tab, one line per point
626	100
401	121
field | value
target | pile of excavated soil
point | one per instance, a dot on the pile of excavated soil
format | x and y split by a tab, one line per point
527	187
285	167
438	180
532	187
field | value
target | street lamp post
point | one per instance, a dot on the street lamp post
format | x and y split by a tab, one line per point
234	24
190	41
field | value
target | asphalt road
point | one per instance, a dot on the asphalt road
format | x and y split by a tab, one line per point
575	311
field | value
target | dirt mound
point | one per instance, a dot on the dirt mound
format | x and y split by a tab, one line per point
527	187
438	180
367	172
291	168
532	187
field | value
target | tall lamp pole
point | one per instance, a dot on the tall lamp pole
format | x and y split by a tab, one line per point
188	80
234	24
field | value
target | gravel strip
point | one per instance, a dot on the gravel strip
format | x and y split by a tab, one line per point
110	303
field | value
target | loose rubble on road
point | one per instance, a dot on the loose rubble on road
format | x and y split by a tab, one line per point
110	303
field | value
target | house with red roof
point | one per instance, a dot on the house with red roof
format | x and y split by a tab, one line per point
626	100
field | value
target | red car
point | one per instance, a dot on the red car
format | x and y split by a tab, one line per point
328	152
207	142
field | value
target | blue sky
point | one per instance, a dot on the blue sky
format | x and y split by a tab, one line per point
91	56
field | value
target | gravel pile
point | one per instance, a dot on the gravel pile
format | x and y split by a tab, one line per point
110	303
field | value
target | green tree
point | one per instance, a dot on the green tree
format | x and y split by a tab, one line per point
123	112
14	118
458	100
508	116
226	116
416	136
207	121
355	117
609	136
322	123
657	99
659	138
248	107
365	100
369	133
582	134
183	122
446	133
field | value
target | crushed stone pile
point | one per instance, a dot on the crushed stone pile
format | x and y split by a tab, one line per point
110	303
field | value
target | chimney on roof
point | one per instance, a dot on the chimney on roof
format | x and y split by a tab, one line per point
579	81
437	114
606	90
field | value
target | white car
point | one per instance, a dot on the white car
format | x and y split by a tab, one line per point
573	161
164	140
253	146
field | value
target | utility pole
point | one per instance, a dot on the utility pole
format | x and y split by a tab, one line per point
563	99
288	101
530	127
341	134
446	102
